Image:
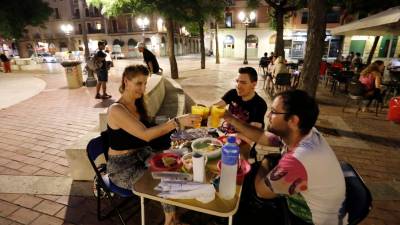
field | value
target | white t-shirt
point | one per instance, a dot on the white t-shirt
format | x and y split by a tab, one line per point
311	177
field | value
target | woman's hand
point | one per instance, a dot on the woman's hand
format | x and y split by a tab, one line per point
189	120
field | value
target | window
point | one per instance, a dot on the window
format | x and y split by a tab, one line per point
56	13
384	47
89	27
333	17
80	28
228	20
87	12
304	18
76	14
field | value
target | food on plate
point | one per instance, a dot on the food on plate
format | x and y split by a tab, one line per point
207	145
169	161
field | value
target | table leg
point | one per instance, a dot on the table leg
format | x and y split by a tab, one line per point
230	220
142	210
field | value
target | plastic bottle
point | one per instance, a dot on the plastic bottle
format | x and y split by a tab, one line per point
229	165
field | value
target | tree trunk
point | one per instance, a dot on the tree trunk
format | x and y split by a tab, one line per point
202	48
279	44
170	47
84	29
371	53
315	45
216	44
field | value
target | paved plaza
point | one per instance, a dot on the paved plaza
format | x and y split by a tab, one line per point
40	117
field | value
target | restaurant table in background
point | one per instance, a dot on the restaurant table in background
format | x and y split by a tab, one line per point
144	188
392	90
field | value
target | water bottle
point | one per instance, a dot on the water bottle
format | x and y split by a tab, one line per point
229	165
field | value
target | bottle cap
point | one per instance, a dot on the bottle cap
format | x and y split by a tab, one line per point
231	139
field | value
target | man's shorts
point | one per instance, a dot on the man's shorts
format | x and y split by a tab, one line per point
102	75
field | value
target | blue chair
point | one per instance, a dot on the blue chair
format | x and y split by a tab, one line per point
358	200
104	187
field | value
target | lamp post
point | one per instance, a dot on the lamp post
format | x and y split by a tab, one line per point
246	19
143	22
67	29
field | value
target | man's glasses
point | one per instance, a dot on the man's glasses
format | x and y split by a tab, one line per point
278	113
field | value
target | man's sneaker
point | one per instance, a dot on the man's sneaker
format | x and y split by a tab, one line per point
106	96
98	96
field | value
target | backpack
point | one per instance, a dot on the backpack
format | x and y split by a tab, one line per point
93	65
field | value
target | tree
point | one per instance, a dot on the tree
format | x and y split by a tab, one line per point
200	11
315	45
16	15
280	9
84	29
172	10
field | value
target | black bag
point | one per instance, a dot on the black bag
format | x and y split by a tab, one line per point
357	88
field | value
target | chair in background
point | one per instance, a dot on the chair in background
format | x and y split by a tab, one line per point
331	74
104	187
358	201
282	82
356	93
344	77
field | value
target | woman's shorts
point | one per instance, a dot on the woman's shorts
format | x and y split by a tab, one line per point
124	170
102	75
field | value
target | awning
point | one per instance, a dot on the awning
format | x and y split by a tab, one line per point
383	23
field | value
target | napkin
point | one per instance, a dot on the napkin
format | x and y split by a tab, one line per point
176	189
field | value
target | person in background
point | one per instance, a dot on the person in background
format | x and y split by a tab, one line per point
130	134
279	67
149	58
356	62
244	102
264	61
102	74
371	78
308	174
350	57
6	63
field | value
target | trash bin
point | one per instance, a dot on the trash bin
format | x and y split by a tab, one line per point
73	72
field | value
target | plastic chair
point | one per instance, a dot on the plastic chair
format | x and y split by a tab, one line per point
104	187
358	202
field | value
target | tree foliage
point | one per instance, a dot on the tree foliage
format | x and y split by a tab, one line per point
16	15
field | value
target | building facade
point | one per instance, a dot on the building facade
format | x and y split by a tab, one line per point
121	33
261	36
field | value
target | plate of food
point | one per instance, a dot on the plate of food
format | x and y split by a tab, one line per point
165	162
208	146
183	138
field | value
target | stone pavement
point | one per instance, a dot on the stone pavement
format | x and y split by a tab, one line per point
35	132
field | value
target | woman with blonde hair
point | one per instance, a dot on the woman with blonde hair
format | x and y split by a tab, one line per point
129	132
279	67
371	78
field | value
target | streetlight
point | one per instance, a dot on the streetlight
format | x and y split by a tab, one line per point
67	29
143	23
246	20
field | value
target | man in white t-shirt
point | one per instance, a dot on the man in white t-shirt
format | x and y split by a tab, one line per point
308	174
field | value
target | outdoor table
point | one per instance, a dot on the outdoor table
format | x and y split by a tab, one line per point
393	87
144	188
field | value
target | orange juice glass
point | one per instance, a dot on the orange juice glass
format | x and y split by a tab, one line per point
197	110
216	114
